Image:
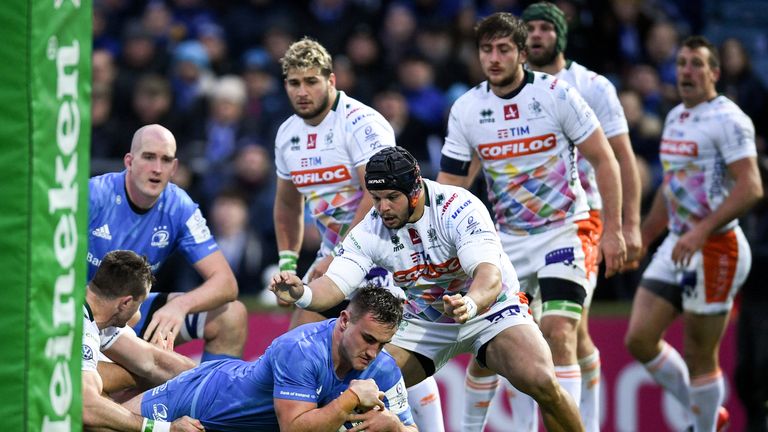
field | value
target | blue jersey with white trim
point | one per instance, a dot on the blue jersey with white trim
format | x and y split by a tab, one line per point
237	395
174	222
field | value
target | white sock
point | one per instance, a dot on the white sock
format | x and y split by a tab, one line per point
668	369
707	394
525	416
478	393
424	399
569	377
589	407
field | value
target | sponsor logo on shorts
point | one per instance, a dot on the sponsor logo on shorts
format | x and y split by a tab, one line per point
508	311
679	148
516	148
334	174
564	255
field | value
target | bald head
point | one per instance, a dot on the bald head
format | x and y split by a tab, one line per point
152	133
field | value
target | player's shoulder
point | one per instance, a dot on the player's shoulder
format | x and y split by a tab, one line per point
478	94
287	130
449	199
722	107
313	336
352	112
582	77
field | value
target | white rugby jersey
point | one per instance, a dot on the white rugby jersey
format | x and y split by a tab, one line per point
433	256
601	96
526	144
321	160
95	340
696	146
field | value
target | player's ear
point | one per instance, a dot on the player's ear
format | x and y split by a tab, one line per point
125	302
344	319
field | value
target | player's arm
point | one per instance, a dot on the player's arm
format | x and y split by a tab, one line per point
458	173
100	413
289	223
301	416
655	221
322	295
630	193
746	192
597	151
146	360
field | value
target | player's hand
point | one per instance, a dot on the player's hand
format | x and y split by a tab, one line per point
166	324
287	287
634	241
186	424
320	267
375	421
455	307
367	393
688	244
613	251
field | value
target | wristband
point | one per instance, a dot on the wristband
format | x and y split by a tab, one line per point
306	298
471	307
288	260
149	425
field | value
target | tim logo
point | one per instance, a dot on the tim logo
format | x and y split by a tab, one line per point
564	255
511	112
415	238
679	148
311	141
311	161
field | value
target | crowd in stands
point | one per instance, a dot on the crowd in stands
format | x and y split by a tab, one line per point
209	71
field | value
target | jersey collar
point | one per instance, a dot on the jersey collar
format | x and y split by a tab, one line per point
527	79
88	311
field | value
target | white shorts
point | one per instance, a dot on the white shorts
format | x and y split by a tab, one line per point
441	342
568	252
712	278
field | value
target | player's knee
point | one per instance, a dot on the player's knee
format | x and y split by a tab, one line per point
231	323
543	386
638	345
561	336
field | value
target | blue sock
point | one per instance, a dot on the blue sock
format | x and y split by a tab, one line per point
209	357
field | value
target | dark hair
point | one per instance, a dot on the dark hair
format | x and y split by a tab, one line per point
499	25
697	41
383	306
121	273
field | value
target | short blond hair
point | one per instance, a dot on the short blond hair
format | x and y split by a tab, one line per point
307	54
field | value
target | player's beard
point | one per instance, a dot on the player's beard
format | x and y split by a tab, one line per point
320	108
545	59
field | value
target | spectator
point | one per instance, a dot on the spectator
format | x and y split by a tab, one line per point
425	101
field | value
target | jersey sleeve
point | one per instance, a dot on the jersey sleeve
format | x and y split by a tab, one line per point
390	382
295	373
737	137
456	145
605	102
369	134
108	337
195	239
90	346
280	165
354	259
474	235
576	117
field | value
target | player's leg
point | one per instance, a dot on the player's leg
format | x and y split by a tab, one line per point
711	282
480	386
225	331
587	354
426	405
521	355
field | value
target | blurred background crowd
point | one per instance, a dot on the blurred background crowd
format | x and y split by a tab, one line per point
209	71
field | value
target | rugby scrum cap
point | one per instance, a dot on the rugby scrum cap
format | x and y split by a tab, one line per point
393	168
547	11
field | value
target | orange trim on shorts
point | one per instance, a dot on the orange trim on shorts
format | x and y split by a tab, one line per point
589	231
721	254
